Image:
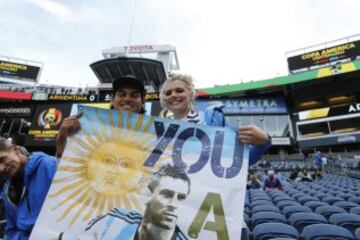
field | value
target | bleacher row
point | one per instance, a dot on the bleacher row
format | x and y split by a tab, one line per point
325	209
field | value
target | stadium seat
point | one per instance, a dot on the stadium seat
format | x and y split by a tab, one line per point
260	197
357	234
260	203
327	211
289	210
283	198
314	204
346	220
246	219
355	210
306	199
247	210
345	196
245	233
281	238
326	231
331	200
265	208
301	220
266	217
354	200
299	194
321	195
346	205
274	230
285	203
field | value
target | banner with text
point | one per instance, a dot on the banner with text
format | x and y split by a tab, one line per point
130	176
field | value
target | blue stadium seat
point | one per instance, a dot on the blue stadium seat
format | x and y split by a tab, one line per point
327	211
246	219
306	199
331	200
299	194
355	210
357	234
283	204
245	233
289	210
345	196
314	204
274	230
247	210
260	203
267	217
265	208
326	231
346	220
354	200
346	205
281	238
260	197
321	195
301	220
283	198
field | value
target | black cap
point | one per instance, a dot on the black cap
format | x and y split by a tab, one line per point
128	81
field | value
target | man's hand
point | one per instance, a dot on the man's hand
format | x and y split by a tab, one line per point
252	134
69	126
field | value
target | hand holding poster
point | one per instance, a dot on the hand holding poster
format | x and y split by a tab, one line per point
129	176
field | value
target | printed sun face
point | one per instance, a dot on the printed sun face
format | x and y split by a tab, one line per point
113	168
104	167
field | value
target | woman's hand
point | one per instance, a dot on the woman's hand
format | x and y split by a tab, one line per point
252	134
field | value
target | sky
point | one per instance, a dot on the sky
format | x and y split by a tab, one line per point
217	42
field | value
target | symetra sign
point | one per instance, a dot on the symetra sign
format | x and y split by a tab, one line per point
354	108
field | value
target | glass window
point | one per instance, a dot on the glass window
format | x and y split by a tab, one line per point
270	125
283	127
345	125
258	120
314	129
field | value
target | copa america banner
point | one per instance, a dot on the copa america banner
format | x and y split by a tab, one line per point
130	176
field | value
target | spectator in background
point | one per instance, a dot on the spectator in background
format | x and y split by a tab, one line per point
293	175
253	182
272	181
28	179
318	160
318	164
303	177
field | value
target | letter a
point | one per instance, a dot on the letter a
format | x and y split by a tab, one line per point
212	200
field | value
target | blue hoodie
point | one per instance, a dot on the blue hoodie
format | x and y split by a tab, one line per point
38	173
215	117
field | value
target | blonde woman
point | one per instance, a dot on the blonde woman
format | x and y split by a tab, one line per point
177	94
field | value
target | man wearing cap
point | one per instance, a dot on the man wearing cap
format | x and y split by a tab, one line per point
128	95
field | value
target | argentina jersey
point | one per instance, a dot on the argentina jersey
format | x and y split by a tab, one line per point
118	224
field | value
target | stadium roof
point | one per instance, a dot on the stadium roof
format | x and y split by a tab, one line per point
283	80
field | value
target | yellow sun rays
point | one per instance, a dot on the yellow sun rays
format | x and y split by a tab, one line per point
106	167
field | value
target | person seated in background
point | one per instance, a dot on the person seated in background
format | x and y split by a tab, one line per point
272	181
293	175
302	177
253	182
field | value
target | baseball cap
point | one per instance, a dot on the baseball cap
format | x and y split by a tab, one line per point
128	81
